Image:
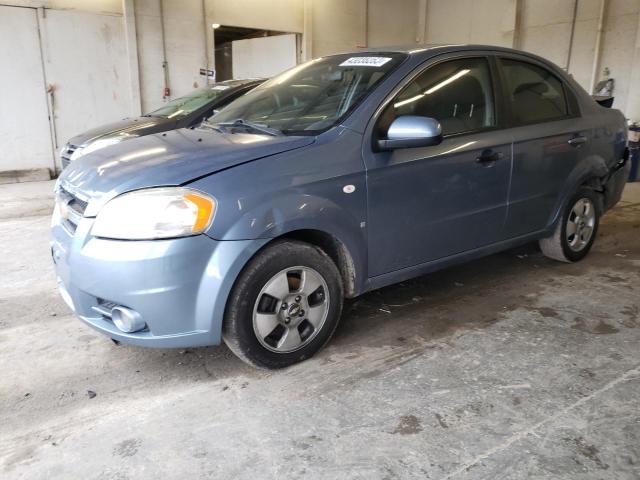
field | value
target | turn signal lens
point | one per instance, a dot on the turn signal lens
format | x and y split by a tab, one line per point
205	211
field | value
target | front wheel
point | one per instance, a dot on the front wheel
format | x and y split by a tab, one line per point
285	305
576	230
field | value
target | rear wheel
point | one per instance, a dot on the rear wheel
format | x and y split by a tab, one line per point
576	230
285	305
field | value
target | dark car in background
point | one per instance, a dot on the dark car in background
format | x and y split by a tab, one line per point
339	176
182	112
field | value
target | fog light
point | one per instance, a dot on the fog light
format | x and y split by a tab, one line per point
127	320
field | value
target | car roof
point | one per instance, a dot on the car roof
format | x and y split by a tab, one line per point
424	51
236	82
419	49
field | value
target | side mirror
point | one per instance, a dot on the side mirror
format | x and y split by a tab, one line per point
410	131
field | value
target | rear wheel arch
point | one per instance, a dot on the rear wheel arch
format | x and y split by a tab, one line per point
588	173
595	183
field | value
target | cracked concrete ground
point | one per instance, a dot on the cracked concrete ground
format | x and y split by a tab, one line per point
509	367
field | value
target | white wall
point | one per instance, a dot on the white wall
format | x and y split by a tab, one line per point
277	15
489	22
263	57
544	28
327	26
338	26
149	37
620	41
392	23
85	61
23	99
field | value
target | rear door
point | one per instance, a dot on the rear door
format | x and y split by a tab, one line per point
427	203
549	138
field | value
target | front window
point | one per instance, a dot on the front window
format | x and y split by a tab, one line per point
457	93
314	96
183	106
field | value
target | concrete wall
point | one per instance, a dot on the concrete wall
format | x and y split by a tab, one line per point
621	40
329	26
490	22
393	23
546	31
338	25
544	27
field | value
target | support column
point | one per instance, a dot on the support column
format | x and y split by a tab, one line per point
421	27
597	51
632	108
307	31
131	40
517	24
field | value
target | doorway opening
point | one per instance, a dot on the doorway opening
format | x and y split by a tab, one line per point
253	53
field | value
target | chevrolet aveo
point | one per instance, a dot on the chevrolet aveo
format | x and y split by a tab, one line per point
341	175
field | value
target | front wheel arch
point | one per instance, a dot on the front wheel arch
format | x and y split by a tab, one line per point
333	247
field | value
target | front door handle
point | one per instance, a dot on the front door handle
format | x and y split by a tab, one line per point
488	156
577	141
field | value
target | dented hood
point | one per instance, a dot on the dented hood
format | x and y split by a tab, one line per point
164	159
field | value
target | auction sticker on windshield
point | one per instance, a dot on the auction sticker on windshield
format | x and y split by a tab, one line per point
365	62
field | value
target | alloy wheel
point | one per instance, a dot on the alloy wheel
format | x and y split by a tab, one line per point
580	224
291	309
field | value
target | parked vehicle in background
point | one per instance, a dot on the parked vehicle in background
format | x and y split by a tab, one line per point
339	176
181	112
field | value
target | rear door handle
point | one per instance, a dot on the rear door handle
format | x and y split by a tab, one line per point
577	141
488	156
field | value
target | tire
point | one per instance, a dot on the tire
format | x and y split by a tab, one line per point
288	287
581	214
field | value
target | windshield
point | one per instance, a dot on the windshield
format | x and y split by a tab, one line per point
179	107
313	96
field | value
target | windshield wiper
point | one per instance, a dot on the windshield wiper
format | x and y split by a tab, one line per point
212	126
256	127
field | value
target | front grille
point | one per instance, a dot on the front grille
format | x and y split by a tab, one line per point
65	155
76	203
71	209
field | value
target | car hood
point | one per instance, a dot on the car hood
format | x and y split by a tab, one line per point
126	125
163	159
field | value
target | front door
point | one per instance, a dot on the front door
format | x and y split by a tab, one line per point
428	203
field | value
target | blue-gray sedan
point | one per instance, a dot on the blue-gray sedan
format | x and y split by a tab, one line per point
341	175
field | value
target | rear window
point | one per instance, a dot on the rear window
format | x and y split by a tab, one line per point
534	94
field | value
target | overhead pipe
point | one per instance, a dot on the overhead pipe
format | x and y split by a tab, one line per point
205	30
165	66
573	31
366	23
41	15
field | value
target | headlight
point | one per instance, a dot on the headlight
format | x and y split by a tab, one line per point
97	145
155	213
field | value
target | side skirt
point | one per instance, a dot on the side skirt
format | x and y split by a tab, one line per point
396	276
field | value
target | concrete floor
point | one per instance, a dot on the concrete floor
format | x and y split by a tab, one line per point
513	366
